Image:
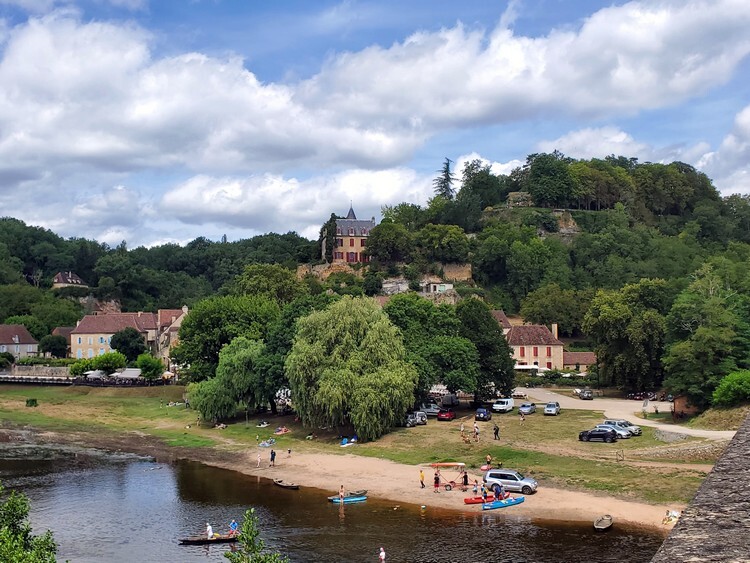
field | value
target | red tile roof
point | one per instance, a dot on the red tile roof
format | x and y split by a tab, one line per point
63	331
115	322
501	318
531	335
15	334
168	316
69	278
580	358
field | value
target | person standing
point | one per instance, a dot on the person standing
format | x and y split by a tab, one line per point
466	480
488	459
476	432
342	494
381	556
209	531
258	460
273	458
522	417
436	481
496	431
421	478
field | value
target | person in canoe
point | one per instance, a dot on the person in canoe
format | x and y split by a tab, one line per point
209	531
233	528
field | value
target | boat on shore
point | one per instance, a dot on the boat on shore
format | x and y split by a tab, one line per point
502	503
203	540
347	499
603	523
285	485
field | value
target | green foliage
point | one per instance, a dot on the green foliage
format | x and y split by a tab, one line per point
251	546
151	368
345	283
32	403
552	304
54	345
372	283
216	321
240	373
389	243
495	360
327	237
36	328
211	400
409	215
443	184
78	368
129	342
109	362
53	362
340	358
443	243
733	390
271	281
25	300
17	543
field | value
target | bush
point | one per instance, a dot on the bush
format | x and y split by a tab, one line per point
31	403
733	390
52	362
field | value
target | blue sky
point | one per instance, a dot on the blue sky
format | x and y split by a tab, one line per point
157	122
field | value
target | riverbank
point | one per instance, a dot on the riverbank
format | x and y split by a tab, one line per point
384	479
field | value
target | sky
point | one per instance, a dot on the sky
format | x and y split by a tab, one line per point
155	121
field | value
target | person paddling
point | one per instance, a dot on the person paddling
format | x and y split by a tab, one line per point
233	528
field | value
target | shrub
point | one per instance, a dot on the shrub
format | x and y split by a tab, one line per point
32	403
733	389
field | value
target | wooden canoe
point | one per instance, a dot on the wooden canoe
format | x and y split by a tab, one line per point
603	523
284	484
203	540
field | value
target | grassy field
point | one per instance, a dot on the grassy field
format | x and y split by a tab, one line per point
545	447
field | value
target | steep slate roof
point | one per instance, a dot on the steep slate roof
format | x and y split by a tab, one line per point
531	335
580	358
361	227
501	318
68	278
15	334
115	322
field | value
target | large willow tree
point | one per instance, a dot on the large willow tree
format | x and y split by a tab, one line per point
347	366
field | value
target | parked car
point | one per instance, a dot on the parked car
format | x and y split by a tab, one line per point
503	405
510	480
446	414
527	408
450	400
482	414
586	395
552	408
603	434
629	426
430	409
415	418
621	432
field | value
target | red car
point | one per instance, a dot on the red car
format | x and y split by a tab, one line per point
446	414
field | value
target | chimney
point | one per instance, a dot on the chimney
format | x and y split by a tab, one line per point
554	330
139	314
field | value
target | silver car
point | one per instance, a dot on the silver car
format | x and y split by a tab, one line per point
621	432
629	426
510	480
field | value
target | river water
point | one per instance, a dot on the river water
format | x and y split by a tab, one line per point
105	508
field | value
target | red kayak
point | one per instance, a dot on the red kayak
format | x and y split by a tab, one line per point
476	500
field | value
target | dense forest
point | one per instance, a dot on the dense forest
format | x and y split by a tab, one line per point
645	260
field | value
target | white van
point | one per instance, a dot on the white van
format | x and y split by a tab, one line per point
503	405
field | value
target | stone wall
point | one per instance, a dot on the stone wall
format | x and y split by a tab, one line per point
40	371
716	524
456	272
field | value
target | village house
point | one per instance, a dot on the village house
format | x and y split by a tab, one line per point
170	321
536	345
17	340
351	239
578	361
67	279
502	320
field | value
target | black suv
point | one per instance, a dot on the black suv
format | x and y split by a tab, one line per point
586	395
603	434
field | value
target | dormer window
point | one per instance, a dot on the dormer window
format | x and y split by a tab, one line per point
364	232
351	231
338	230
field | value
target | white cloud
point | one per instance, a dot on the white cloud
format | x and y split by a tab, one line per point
729	165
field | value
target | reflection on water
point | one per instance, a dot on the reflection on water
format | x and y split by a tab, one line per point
126	509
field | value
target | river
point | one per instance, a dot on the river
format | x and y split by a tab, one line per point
121	508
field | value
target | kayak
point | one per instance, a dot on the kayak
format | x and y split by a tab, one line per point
347	500
359	493
502	503
203	540
474	500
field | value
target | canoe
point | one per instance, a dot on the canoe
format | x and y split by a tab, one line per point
282	483
203	540
347	500
474	500
603	523
502	503
360	493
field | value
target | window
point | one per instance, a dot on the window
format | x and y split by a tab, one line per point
549	365
536	351
549	351
30	348
338	230
362	242
18	348
351	231
3	348
339	242
364	232
101	340
351	256
351	242
91	340
91	353
101	351
338	255
79	354
80	340
522	351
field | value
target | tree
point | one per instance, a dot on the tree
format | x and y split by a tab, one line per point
251	546
347	366
151	368
443	243
17	544
327	238
496	363
628	329
240	374
216	321
549	181
211	400
55	345
733	390
477	178
110	362
389	243
553	304
129	342
267	280
410	215
78	368
444	182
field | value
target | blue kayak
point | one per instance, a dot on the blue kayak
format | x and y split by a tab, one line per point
502	503
348	499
